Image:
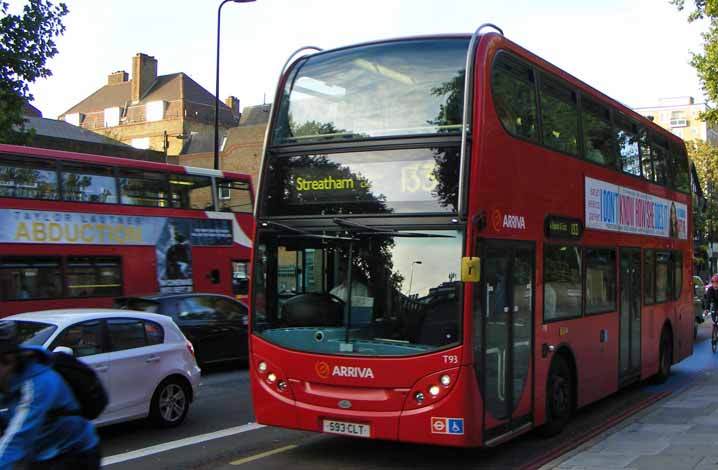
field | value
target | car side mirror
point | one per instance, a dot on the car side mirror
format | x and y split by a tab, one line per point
64	349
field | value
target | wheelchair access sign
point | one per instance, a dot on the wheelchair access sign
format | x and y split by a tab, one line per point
447	425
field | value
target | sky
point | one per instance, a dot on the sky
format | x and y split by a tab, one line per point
635	51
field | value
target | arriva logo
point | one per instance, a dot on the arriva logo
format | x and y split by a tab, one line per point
322	369
502	221
361	372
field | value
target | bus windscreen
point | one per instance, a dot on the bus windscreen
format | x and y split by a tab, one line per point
377	90
385	295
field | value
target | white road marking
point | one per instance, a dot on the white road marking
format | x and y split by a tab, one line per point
188	441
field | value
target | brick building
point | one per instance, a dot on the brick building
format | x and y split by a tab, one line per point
168	113
242	150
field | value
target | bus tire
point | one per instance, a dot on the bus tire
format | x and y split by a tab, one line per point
559	398
665	357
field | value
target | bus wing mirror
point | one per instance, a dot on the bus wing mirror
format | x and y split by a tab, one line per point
470	267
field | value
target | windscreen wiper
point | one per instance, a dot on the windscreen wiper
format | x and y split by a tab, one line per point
304	233
380	231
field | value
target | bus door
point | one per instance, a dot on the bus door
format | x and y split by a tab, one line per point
503	316
629	351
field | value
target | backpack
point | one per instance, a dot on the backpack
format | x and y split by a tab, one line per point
84	383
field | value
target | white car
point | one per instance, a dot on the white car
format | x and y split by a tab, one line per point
146	364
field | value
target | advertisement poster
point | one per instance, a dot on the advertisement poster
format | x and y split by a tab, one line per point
172	238
619	209
174	257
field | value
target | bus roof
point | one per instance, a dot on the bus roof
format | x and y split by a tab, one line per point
36	152
492	40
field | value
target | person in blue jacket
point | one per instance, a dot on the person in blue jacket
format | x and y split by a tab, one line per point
42	428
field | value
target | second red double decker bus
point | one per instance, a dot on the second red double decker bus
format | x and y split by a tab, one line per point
457	261
79	230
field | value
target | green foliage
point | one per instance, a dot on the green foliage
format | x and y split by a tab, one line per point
705	158
706	64
26	43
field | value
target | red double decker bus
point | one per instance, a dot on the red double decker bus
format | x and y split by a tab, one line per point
456	262
78	230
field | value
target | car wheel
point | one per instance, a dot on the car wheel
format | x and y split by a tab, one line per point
170	403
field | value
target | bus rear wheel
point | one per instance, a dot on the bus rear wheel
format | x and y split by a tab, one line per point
665	358
559	398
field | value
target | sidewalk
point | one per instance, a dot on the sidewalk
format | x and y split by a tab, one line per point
680	432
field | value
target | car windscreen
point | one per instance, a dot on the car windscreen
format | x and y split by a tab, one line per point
34	333
393	294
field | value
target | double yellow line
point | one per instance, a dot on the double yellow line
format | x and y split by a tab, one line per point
262	455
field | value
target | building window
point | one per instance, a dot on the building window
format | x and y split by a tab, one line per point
112	117
75	118
142	143
155	111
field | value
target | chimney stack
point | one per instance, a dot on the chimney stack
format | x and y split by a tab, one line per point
144	74
117	77
232	103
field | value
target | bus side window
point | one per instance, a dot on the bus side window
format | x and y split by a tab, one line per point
627	136
515	96
646	163
559	116
599	144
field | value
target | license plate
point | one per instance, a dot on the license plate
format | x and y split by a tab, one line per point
347	429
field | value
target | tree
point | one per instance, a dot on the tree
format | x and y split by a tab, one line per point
706	64
26	43
705	158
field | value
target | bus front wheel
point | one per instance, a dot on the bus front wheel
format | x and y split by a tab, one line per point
559	398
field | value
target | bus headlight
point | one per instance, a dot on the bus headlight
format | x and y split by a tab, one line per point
419	397
434	390
272	377
262	367
445	380
282	385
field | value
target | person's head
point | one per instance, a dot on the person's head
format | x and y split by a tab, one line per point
714	281
9	349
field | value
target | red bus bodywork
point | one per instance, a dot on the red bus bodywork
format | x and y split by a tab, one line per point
212	268
524	181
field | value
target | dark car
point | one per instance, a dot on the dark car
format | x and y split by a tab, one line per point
215	324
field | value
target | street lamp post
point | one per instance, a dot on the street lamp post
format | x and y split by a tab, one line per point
216	89
411	276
